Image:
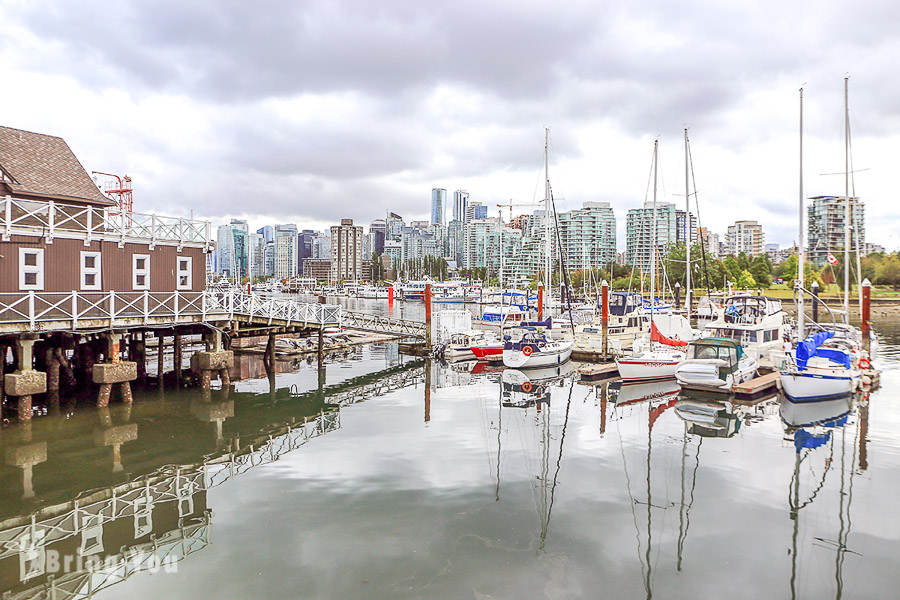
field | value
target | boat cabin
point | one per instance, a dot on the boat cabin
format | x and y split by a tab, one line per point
727	350
61	234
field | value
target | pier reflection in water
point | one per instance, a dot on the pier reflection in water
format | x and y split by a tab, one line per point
451	481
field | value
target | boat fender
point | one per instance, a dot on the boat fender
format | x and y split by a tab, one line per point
527	350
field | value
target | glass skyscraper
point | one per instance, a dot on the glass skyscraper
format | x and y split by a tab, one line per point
438	206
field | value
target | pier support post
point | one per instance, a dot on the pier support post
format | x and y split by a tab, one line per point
114	372
604	315
160	357
177	359
215	361
814	288
138	349
427	390
678	294
25	382
269	356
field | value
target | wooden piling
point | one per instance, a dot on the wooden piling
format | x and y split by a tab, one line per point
160	355
540	302
177	359
139	356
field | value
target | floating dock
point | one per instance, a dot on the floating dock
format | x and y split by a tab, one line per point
593	372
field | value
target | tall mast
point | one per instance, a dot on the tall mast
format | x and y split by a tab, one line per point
847	216
547	261
500	228
653	241
687	230
801	316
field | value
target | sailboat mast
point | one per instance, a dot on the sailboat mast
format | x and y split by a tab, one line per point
687	230
801	316
847	216
500	228
653	240
547	261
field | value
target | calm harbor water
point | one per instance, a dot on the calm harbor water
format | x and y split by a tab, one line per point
418	480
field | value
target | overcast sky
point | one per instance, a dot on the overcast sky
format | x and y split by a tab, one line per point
309	112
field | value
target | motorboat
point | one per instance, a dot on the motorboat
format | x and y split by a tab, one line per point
656	362
819	371
627	322
471	344
532	348
716	364
757	323
501	316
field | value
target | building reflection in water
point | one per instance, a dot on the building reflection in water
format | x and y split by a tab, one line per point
101	512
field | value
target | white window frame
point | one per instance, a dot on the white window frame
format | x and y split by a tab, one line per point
135	272
179	273
95	270
38	269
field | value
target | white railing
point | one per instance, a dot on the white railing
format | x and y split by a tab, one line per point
52	219
380	324
40	311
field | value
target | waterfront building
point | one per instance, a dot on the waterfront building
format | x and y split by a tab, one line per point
393	226
460	203
746	237
475	210
346	251
285	251
420	226
681	227
826	221
268	233
640	237
393	249
483	247
438	205
256	246
588	235
710	241
70	240
269	265
317	268
869	248
456	241
377	233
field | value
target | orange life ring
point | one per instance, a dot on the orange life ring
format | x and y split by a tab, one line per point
864	364
526	387
527	350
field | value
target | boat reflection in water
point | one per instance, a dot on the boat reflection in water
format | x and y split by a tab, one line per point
707	417
818	430
522	389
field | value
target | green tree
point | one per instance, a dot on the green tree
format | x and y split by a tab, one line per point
745	280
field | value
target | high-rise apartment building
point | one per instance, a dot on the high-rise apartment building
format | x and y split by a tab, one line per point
256	259
460	203
710	241
746	237
285	251
681	228
377	231
346	251
640	238
588	235
268	233
438	206
475	210
826	226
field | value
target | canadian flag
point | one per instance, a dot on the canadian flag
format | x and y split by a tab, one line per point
832	259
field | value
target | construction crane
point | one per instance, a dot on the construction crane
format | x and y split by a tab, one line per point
119	191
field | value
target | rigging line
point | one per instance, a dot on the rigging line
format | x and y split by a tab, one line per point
687	511
499	432
562	440
697	203
849	501
681	507
637	532
562	262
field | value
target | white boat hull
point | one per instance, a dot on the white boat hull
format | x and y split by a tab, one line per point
704	373
649	365
801	386
544	358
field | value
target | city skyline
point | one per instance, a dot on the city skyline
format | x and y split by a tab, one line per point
383	112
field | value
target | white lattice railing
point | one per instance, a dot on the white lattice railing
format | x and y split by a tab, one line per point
52	219
36	311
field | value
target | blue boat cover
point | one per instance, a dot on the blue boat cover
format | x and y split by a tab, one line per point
810	347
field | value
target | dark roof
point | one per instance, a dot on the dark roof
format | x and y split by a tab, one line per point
44	165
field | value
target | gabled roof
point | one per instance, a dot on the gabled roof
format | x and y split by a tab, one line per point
44	165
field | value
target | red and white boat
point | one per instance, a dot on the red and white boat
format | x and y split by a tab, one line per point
487	350
656	363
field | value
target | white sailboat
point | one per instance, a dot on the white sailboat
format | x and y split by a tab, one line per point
658	362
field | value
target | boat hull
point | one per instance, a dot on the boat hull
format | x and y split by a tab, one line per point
519	360
647	368
485	351
811	386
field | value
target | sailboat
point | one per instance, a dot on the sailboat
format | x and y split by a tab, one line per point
659	362
815	370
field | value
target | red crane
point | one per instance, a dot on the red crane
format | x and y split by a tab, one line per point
119	191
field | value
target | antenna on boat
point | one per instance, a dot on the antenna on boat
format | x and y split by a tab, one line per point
801	316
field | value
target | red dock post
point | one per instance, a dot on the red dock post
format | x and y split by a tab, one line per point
866	315
604	312
428	315
540	316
